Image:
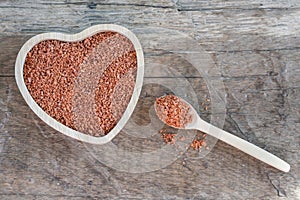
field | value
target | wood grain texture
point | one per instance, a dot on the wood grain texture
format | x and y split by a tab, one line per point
255	46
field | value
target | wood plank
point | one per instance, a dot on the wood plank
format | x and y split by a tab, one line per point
222	30
78	16
10	46
226	64
246	30
36	161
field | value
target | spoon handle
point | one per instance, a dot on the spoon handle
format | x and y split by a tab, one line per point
243	145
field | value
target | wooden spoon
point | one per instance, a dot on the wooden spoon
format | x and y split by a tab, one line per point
195	122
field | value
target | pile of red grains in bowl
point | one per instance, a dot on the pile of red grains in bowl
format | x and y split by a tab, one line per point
80	82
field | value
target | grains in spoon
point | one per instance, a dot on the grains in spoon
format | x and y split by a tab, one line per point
173	111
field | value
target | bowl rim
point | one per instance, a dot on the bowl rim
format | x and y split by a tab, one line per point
19	66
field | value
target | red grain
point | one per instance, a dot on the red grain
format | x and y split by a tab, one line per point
197	144
169	138
57	74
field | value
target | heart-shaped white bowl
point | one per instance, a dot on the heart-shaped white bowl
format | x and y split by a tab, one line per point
19	66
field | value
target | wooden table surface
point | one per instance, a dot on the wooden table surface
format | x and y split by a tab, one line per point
255	47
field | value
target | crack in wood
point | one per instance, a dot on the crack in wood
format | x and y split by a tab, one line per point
237	127
233	9
296	48
93	5
276	185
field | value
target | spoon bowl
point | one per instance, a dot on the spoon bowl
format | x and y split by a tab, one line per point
170	108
